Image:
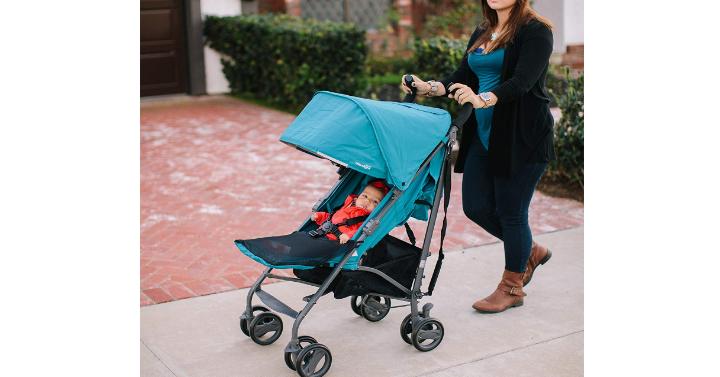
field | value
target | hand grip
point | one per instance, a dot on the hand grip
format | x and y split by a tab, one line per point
464	113
408	79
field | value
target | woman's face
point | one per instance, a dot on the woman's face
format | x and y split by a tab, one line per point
497	5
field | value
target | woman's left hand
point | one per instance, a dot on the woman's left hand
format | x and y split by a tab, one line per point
464	94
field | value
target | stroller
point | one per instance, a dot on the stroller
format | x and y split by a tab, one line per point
406	144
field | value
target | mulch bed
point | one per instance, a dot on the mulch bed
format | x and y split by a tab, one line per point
560	188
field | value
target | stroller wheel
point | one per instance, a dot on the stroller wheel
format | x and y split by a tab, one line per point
406	329
290	356
375	308
355	302
244	322
265	328
428	335
313	361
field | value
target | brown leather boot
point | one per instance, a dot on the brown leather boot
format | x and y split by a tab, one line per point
539	254
508	294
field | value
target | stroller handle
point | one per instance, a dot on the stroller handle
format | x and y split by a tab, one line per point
464	114
409	81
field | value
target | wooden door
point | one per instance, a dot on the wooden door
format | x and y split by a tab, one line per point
163	57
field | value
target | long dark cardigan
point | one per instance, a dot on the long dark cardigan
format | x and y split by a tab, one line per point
521	124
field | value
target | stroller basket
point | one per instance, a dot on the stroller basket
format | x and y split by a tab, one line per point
391	256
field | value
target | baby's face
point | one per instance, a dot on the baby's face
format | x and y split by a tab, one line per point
369	198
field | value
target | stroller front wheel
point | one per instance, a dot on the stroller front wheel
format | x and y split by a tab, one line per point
266	328
313	361
244	322
290	356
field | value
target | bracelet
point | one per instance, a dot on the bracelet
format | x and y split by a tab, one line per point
433	88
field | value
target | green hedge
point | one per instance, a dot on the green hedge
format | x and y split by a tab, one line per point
437	57
570	132
284	60
382	66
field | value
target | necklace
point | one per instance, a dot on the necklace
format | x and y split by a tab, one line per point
493	36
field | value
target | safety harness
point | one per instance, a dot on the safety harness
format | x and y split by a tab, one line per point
329	228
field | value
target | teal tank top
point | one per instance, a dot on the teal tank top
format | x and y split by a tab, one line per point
487	68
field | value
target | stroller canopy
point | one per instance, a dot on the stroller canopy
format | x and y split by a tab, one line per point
383	139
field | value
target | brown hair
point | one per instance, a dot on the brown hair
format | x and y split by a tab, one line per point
520	14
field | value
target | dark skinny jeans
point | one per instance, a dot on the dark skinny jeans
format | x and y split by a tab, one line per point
500	204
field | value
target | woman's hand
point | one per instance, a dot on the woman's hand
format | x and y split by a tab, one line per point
313	217
344	238
422	86
464	94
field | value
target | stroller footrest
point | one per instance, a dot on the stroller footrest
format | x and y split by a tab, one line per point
275	304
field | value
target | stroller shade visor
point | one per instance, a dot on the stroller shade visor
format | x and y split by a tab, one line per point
382	139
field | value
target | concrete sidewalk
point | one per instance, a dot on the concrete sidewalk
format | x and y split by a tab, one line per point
201	337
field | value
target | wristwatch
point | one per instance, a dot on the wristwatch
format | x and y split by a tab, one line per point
433	88
486	98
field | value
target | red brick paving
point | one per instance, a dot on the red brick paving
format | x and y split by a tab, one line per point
213	170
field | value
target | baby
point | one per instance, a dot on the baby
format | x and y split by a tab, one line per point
346	221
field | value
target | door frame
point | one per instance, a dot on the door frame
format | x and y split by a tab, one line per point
195	54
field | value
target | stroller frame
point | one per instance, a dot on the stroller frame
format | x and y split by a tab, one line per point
413	295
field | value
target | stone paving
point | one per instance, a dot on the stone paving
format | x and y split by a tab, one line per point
212	171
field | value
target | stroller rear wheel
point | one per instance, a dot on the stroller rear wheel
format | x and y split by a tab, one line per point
266	328
375	308
244	322
428	335
355	302
313	361
290	356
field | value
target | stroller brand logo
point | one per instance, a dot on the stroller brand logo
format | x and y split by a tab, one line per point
364	166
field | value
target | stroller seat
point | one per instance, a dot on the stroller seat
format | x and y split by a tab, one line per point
296	250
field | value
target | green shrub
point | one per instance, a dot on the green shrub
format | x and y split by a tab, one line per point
555	82
284	60
570	132
437	57
458	19
381	66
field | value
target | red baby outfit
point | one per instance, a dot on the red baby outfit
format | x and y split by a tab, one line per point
348	211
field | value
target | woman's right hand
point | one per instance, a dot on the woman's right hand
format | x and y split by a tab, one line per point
422	86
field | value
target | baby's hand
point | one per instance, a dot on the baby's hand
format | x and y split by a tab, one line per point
344	238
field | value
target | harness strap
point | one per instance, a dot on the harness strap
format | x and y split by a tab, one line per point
329	227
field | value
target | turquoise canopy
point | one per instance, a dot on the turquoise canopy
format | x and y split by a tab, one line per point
382	139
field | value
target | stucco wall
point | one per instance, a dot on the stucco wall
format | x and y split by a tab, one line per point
567	17
214	78
574	22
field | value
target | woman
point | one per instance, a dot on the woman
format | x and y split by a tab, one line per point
507	143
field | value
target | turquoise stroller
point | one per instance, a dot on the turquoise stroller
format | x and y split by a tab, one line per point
408	146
